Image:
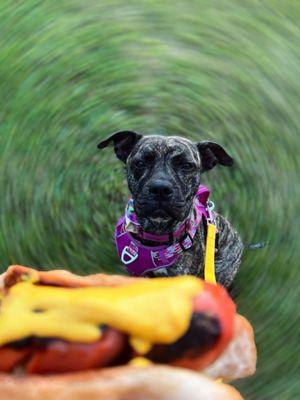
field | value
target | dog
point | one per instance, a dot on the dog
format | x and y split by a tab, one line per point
163	175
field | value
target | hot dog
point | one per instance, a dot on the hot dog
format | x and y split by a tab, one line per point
180	322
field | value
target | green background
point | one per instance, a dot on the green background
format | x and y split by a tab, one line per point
71	72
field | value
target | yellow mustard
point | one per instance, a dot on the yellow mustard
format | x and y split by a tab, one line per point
153	311
141	346
140	362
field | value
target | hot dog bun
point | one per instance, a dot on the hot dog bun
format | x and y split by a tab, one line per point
238	360
60	277
122	383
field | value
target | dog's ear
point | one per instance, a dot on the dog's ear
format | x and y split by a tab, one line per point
212	154
124	142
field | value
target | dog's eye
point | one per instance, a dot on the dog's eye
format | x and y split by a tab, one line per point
187	166
139	164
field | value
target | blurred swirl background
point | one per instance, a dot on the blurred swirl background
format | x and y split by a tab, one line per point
72	72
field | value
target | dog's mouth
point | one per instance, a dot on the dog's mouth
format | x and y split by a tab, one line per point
160	218
160	214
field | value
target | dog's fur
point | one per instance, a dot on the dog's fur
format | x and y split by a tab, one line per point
163	175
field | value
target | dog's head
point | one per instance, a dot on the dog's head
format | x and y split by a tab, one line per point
164	174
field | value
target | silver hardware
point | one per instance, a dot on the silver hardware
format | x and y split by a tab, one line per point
210	206
130	257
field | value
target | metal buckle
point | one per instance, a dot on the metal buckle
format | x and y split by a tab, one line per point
130	257
180	242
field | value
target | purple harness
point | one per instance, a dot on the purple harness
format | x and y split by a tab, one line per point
139	259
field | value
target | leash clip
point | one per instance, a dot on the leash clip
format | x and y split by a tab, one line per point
127	257
209	208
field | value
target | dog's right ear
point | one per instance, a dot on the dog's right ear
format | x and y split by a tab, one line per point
124	142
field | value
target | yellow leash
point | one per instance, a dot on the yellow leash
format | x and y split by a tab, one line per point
209	263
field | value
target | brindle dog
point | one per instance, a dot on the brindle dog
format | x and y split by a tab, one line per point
163	175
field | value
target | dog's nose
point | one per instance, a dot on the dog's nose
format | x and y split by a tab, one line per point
161	189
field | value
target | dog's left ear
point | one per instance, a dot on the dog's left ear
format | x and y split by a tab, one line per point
212	154
124	142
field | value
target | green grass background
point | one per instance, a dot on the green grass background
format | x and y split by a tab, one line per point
71	72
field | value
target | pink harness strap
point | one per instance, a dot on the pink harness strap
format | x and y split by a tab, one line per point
139	259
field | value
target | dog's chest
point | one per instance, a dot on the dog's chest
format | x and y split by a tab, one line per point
190	262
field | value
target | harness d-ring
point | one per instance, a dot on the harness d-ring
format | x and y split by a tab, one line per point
127	257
